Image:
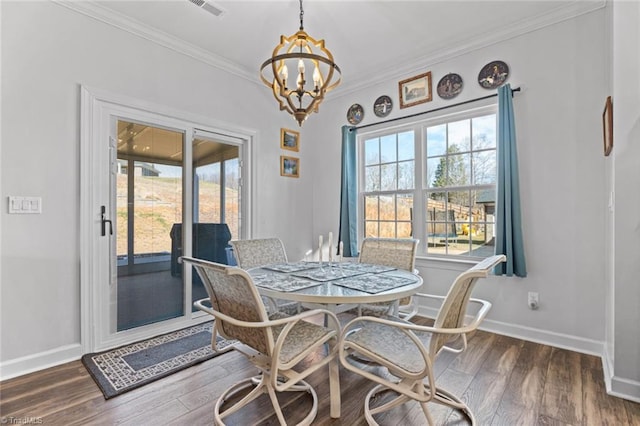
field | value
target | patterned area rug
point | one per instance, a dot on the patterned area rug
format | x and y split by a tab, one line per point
122	369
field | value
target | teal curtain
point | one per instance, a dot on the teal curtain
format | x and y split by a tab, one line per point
348	232
508	217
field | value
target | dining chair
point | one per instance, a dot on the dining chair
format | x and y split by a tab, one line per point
285	349
260	252
399	253
407	351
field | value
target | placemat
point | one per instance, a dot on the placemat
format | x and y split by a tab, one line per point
291	267
367	267
327	273
373	283
282	282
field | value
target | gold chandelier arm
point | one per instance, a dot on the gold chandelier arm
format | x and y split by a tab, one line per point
309	89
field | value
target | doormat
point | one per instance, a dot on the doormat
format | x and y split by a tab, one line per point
120	370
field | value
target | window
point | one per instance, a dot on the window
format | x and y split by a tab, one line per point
432	180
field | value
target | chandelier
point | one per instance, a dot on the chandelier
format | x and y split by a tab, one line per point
299	51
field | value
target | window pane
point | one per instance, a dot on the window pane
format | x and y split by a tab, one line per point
388	173
460	135
371	151
207	181
481	229
232	196
404	207
484	167
404	230
371	229
372	178
436	140
387	207
459	170
387	230
484	132
388	149
371	207
440	223
406	174
436	167
406	150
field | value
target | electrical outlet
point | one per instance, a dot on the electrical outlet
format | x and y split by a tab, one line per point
532	300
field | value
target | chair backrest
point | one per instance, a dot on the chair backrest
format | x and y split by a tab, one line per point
233	293
259	252
454	307
392	252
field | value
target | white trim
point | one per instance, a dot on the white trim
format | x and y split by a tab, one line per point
96	106
39	361
461	47
617	386
140	29
393	72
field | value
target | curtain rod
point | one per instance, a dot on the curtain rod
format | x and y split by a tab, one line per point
517	89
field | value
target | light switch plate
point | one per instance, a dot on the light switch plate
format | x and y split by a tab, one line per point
25	205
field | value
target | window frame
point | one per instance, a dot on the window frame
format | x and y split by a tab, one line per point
421	188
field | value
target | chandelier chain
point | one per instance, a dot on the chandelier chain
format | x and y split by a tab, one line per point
301	16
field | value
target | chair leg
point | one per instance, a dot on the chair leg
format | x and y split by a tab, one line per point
261	382
441	396
334	388
448	399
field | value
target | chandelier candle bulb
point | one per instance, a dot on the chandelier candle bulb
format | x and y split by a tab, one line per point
320	250
330	246
303	99
341	246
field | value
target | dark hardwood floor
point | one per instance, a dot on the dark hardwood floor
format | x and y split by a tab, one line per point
505	381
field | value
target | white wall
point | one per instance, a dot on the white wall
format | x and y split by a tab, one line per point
558	120
624	362
48	51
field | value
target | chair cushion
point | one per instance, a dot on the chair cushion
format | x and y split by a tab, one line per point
392	344
303	336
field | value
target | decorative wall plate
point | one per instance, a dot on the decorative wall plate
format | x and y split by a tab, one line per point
382	106
450	86
493	75
355	114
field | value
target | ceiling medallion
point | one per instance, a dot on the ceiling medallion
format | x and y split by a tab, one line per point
299	51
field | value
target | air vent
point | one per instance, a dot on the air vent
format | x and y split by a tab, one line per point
209	7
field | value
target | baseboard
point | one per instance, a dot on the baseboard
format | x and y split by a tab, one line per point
616	386
40	361
558	340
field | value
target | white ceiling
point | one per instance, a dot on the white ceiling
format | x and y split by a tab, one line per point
371	40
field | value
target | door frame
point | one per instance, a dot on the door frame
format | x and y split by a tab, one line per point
98	110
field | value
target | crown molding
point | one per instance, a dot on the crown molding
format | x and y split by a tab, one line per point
442	54
140	29
460	47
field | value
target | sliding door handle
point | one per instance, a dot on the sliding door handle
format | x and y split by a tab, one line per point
104	221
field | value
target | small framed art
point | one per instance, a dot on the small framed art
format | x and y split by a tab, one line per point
289	139
607	126
415	90
289	166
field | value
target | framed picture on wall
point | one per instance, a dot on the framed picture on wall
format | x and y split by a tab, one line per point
607	126
415	90
289	139
289	166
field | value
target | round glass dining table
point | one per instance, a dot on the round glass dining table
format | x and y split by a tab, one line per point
338	287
